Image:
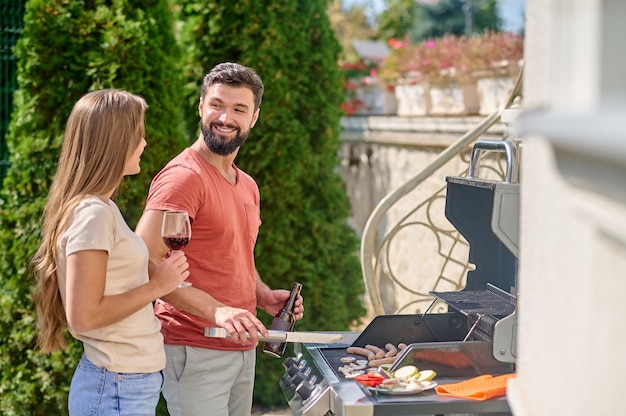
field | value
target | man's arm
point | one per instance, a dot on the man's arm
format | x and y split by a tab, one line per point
192	300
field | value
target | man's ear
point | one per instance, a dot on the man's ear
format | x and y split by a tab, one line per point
255	117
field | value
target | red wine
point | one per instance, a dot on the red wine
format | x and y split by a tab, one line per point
284	321
176	243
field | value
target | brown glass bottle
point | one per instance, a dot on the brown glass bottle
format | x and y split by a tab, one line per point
283	321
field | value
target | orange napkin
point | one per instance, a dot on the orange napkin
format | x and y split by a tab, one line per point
478	388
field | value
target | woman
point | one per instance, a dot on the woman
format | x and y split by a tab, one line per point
92	269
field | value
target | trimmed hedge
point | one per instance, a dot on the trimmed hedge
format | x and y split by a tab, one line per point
291	152
67	49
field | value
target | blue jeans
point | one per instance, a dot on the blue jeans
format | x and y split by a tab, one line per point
95	391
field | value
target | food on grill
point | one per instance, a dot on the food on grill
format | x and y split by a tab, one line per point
382	361
378	352
391	350
377	356
347	359
361	351
352	369
354	374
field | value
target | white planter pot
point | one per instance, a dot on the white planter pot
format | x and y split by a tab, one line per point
412	99
493	92
452	97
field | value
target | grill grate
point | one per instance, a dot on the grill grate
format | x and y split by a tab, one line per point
493	301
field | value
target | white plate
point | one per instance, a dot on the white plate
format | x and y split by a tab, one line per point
401	391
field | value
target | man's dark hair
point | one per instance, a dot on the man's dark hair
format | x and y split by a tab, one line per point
235	75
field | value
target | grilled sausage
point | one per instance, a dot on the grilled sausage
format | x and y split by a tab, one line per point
381	361
379	352
401	346
361	351
391	350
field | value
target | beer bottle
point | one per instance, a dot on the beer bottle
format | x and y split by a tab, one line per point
283	321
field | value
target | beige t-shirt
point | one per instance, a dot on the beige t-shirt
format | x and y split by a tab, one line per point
134	344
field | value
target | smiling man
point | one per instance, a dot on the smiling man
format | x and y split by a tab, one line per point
205	374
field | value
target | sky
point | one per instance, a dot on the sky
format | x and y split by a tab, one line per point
511	11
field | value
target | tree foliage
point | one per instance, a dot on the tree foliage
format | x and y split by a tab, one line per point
422	20
291	152
67	49
349	24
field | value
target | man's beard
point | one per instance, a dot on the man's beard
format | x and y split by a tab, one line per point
219	144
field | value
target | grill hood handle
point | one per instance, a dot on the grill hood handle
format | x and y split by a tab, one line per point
506	146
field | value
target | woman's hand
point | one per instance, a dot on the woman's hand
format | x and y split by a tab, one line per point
170	272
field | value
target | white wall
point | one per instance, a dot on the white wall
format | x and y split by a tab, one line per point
573	216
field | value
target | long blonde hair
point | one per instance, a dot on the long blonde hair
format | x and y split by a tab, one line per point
103	130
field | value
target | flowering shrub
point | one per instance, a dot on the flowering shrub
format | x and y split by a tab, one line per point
356	76
451	55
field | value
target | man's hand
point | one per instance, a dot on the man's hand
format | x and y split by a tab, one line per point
273	302
240	324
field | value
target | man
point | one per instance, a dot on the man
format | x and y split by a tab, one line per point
210	375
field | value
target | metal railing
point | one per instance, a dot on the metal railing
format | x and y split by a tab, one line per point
377	242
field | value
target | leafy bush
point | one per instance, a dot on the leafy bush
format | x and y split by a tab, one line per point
451	55
67	49
291	152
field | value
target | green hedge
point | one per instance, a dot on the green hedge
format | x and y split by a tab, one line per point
67	49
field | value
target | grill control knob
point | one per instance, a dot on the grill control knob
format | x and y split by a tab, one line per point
291	371
296	380
305	389
291	361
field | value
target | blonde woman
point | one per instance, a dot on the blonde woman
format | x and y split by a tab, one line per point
92	269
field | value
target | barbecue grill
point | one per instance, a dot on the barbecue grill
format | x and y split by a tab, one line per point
476	335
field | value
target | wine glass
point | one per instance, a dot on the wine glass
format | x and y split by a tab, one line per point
176	232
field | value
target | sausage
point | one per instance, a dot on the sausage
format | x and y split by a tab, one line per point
391	350
361	351
401	346
381	361
379	352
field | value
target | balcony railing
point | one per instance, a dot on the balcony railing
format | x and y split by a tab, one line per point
440	245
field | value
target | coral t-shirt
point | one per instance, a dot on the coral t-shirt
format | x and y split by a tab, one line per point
225	221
